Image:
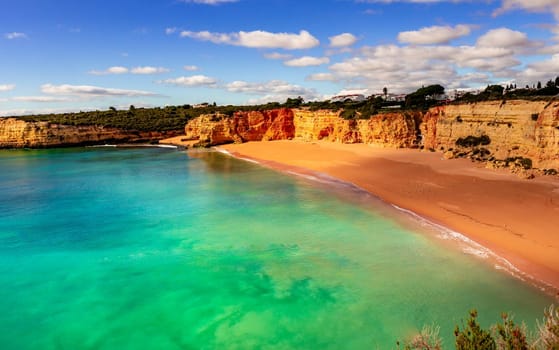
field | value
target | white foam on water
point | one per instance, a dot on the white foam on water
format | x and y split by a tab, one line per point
166	146
100	146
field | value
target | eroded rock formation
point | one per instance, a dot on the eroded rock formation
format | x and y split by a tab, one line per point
518	134
15	133
513	129
217	129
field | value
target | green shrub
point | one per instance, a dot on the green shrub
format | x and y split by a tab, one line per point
472	336
510	336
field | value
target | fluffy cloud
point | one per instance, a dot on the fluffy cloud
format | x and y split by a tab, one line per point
110	70
15	35
272	87
91	91
274	90
148	70
541	71
190	68
403	68
277	56
434	34
307	61
504	37
192	81
136	70
342	40
530	5
7	87
257	39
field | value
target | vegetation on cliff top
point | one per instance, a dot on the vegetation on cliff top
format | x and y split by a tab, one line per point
174	118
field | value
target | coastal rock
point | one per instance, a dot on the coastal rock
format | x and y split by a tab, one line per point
16	133
218	129
517	128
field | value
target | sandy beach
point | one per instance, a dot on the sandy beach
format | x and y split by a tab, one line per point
517	219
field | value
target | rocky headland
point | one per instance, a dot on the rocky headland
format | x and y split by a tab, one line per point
16	133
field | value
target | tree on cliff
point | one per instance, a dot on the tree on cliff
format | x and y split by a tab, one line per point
293	102
385	92
424	97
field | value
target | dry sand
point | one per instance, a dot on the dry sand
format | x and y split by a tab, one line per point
515	218
179	141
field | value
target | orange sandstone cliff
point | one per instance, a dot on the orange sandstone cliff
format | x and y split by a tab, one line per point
527	129
217	129
514	133
15	133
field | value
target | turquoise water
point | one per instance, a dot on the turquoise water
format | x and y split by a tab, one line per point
159	249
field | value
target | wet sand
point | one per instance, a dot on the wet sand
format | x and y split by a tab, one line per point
517	219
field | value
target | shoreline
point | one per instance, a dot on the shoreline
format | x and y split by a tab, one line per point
455	195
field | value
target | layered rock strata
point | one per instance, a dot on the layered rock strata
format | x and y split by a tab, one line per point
15	133
518	134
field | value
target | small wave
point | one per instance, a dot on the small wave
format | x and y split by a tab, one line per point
100	146
476	249
224	151
166	146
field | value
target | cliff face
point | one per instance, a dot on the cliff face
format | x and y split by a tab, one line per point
390	129
528	129
517	134
393	130
15	133
242	127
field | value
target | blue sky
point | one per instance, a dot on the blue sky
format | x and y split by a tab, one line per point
69	55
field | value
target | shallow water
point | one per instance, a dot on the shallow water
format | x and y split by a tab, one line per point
156	248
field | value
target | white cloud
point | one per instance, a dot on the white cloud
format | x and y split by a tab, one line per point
272	87
91	91
15	35
148	70
321	77
541	71
144	70
277	56
504	37
208	2
345	39
7	87
110	70
272	91
170	30
192	81
530	5
307	61
258	39
434	34
41	99
190	68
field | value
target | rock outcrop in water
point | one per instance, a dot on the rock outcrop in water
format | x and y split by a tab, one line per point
15	133
517	134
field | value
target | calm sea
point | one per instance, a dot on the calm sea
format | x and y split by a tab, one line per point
148	248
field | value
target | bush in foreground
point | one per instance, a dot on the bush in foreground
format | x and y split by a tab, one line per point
505	335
